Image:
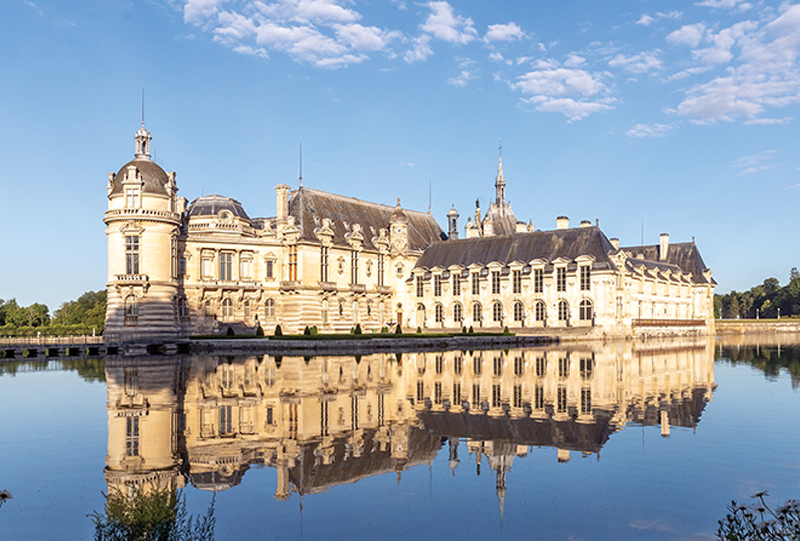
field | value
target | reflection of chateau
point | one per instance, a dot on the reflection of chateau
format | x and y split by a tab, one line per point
324	421
335	261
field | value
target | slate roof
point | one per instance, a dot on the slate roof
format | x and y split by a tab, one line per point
310	206
522	247
212	205
683	255
155	178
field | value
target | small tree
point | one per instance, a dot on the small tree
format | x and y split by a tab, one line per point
259	331
471	330
419	330
357	329
398	329
278	331
306	331
230	332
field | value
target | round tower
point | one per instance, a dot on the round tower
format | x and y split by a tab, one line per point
452	223
142	227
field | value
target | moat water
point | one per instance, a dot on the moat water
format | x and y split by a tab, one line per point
617	440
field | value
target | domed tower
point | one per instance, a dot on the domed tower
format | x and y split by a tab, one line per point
142	226
452	223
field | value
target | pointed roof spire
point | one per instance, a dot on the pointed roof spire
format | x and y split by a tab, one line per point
500	181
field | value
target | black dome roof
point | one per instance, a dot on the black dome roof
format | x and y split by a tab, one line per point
212	205
155	179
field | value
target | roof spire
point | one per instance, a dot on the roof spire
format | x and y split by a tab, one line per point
500	181
143	108
301	163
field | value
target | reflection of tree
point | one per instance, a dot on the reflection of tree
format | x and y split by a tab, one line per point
156	514
768	359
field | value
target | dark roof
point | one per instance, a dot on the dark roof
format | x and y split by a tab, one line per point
212	205
503	220
155	178
523	247
306	204
683	255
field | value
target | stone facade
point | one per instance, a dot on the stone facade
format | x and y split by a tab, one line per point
332	261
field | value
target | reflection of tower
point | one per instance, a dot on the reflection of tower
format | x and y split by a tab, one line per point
453	462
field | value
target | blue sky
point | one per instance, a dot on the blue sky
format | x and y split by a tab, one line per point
677	117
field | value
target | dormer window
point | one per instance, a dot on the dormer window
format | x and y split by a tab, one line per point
132	198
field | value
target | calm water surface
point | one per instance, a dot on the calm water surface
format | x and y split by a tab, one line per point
594	441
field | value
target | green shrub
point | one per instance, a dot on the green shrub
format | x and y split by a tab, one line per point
278	331
357	329
384	330
230	332
398	329
314	330
471	330
463	330
307	331
259	331
505	330
419	330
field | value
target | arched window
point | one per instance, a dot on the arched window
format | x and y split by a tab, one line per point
586	310
227	309
563	310
497	312
438	312
131	310
269	309
539	311
207	310
247	313
519	312
458	313
477	313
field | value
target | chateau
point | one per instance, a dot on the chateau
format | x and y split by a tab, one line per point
332	261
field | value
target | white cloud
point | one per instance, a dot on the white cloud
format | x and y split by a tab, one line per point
649	130
503	32
638	63
246	49
755	163
498	57
463	78
688	34
738	5
574	61
446	25
645	20
365	38
34	7
768	121
197	11
420	51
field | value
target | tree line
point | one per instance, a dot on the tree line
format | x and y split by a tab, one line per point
766	300
86	315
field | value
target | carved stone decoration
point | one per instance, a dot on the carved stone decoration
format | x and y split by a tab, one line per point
340	265
324	232
381	242
355	238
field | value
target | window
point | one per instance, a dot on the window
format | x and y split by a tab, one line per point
586	278
519	312
183	309
495	282
269	309
354	267
323	264
586	311
131	310
497	312
270	415
270	270
293	263
132	198
420	390
457	283
539	312
225	266
458	315
225	421
438	364
437	285
519	365
381	268
457	365
227	309
438	312
476	395
457	392
561	279
476	283
132	436
538	397
477	313
182	266
541	367
587	368
517	396
496	395
173	258
245	265
476	366
561	405
437	392
131	381
420	290
247	310
563	367
516	281
538	280
586	400
563	310
131	254
497	366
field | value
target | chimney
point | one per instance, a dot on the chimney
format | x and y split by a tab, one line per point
282	207
586	223
664	247
562	222
615	243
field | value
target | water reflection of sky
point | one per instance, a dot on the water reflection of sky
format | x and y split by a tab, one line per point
630	482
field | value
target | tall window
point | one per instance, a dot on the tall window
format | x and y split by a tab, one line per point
132	198
269	309
131	310
457	365
519	312
541	367
496	395
495	282
247	311
538	397
517	396
561	279
476	365
476	395
497	312
457	392
437	285
586	400
587	368
563	310
323	264
539	312
354	267
437	392
438	364
381	269
183	309
438	312
497	366
173	258
519	365
132	436
563	367
477	313
225	266
132	254
516	281
227	309
418	282
586	277
538	280
293	263
561	396
244	268
420	390
457	283
270	271
458	315
476	284
586	311
225	420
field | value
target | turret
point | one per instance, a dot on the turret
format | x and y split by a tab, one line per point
452	223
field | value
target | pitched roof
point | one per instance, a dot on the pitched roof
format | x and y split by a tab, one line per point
309	207
683	255
524	247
